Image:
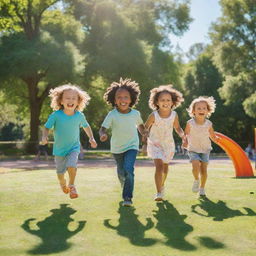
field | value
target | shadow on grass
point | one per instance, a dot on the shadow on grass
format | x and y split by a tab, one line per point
210	243
219	211
53	231
172	225
129	226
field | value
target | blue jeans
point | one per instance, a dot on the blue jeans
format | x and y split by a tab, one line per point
125	171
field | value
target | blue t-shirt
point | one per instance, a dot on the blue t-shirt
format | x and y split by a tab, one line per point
66	131
124	130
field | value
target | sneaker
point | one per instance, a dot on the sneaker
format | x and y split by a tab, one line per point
159	197
195	187
127	202
202	192
73	193
65	188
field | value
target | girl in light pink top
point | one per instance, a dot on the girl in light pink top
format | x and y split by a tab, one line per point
199	131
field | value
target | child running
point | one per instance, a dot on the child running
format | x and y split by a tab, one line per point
68	101
199	130
160	143
124	122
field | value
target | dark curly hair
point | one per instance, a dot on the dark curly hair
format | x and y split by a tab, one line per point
131	86
177	97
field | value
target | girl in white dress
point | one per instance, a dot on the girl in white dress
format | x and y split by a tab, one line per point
160	144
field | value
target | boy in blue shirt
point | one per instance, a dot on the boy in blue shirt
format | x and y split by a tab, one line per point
67	101
124	122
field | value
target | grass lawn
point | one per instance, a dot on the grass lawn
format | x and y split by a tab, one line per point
38	219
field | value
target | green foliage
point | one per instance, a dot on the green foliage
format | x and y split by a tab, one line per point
233	38
7	111
48	42
202	77
39	50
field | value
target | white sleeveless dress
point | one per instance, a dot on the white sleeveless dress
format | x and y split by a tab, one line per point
161	144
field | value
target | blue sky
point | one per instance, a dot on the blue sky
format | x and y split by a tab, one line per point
204	12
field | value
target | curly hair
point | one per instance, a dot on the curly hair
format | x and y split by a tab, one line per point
210	101
177	97
57	93
131	86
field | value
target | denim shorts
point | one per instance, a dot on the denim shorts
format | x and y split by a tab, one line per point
63	162
202	157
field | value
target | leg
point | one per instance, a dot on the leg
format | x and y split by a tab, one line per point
60	162
63	183
203	174
119	158
61	178
46	155
72	175
196	166
196	169
129	161
165	173
159	174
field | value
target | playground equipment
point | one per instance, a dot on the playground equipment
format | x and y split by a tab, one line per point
240	160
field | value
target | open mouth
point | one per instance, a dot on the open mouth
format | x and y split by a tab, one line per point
70	105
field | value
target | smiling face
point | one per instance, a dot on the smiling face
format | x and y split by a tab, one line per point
123	100
69	100
164	101
200	110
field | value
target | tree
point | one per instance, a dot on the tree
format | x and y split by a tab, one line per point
126	38
233	37
39	48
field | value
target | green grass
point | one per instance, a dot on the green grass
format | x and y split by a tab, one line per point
38	219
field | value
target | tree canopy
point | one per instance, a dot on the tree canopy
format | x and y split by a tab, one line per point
233	37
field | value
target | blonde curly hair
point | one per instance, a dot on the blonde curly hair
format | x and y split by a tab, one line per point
57	93
177	97
210	101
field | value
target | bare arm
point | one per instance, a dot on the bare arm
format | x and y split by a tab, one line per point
177	128
148	124
213	137
103	134
187	131
142	129
45	136
89	133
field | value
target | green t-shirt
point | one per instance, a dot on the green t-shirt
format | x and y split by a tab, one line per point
124	130
66	131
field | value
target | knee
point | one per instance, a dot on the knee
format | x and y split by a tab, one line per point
129	174
159	167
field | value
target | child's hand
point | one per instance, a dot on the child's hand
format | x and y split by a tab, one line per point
44	140
103	137
144	149
93	143
145	133
184	141
184	145
217	139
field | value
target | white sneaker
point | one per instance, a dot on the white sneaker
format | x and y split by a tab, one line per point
159	197
202	192
195	187
127	203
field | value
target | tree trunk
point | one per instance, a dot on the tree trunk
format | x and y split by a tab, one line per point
35	110
35	103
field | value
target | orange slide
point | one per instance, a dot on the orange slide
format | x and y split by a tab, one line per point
237	155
